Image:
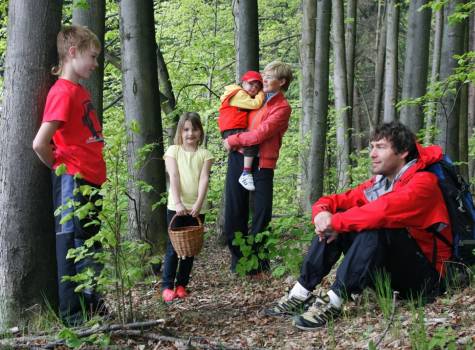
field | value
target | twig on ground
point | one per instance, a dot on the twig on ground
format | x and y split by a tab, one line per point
391	318
81	333
179	342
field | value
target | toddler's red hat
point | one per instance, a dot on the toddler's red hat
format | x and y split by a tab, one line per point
252	75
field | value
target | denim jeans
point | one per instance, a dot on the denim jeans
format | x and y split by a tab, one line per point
69	235
176	272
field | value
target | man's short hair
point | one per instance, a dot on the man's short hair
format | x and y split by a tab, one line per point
280	70
401	137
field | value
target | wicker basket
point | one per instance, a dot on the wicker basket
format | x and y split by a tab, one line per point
186	240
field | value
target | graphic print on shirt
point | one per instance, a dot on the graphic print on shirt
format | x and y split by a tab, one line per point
87	120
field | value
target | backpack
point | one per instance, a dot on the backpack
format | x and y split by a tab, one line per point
458	199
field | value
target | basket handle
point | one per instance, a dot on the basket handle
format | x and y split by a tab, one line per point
174	216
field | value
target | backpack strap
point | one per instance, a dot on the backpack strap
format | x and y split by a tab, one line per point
437	235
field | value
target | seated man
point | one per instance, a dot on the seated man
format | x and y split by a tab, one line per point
384	224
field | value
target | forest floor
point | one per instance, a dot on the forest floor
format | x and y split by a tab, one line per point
225	311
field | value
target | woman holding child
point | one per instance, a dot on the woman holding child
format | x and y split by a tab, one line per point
266	128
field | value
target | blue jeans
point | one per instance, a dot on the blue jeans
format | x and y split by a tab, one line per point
176	272
72	234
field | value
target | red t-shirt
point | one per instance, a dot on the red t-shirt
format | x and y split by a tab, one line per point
78	141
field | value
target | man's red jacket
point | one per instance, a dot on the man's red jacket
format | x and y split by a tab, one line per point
267	127
415	203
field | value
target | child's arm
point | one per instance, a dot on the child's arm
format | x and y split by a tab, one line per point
202	188
244	101
172	169
42	142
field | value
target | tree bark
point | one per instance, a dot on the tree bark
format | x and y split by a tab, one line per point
142	106
416	64
350	41
94	18
27	240
167	97
319	134
379	68
307	62
390	77
341	98
434	75
448	111
471	95
463	115
248	54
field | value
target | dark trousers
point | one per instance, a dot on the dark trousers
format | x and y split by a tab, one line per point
237	206
176	272
72	234
365	253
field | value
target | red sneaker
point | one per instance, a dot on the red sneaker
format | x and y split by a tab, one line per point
181	292
168	295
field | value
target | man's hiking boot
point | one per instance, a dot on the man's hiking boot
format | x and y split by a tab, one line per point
317	315
289	305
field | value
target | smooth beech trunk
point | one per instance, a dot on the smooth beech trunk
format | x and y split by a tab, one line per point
27	238
142	107
416	63
319	133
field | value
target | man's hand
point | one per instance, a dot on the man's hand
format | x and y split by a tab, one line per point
226	145
323	226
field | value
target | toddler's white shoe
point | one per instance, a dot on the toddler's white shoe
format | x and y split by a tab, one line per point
247	181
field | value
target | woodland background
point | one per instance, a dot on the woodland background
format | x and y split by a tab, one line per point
356	63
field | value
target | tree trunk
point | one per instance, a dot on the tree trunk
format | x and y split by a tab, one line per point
27	240
142	107
350	41
307	61
463	116
379	68
167	97
341	98
390	77
471	95
434	75
416	64
94	18
448	111
319	134
248	54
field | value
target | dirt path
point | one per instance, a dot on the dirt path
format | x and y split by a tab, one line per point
225	309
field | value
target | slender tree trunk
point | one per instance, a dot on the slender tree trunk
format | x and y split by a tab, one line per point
307	61
463	116
379	68
390	78
350	41
471	95
448	111
248	54
434	75
94	18
27	240
142	108
341	98
167	97
416	64
319	134
235	6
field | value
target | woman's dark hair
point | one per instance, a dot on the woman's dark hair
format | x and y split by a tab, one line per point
400	136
